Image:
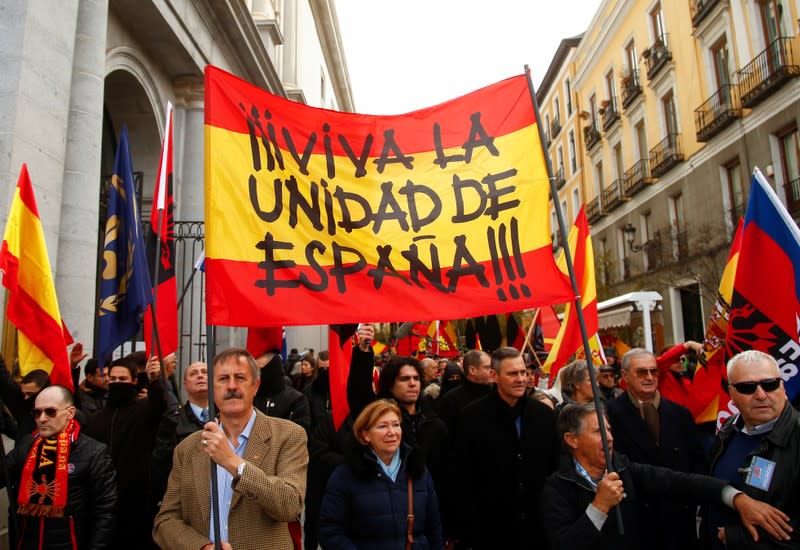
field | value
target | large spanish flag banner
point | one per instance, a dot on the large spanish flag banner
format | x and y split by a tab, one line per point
569	339
708	389
319	216
32	302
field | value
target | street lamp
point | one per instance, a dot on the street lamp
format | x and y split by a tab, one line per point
630	234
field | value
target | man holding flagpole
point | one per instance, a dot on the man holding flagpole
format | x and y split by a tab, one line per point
260	464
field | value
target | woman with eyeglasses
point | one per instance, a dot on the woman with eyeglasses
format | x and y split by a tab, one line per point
383	497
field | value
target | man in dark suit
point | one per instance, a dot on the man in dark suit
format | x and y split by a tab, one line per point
650	429
194	413
511	439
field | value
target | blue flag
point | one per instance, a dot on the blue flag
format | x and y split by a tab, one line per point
125	289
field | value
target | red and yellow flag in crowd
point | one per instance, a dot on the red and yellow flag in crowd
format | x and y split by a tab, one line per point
31	298
569	338
708	393
318	216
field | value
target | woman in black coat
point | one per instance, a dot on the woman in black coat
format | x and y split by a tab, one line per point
366	502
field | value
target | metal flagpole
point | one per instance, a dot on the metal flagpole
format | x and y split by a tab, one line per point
578	309
211	332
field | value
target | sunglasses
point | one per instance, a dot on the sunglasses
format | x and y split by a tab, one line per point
642	373
748	388
49	412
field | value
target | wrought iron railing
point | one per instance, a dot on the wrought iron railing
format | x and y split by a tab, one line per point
657	56
631	87
717	112
666	154
610	112
699	9
613	195
767	72
591	134
594	210
636	178
559	177
792	189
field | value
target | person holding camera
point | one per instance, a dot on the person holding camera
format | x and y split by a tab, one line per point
676	366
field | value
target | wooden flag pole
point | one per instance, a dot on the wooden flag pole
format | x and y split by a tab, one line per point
578	309
527	343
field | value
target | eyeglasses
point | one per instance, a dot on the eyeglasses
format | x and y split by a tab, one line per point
642	373
748	388
49	412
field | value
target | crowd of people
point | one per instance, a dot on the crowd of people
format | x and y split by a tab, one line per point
468	453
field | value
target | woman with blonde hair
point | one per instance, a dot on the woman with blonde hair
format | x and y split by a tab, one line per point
367	503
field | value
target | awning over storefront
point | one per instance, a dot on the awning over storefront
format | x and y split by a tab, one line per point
616	312
619	317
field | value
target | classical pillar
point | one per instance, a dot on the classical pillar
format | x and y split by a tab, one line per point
78	234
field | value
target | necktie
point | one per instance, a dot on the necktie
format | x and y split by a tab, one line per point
204	415
651	420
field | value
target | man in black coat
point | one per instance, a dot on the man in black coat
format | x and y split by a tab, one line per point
511	440
579	501
51	515
128	426
194	413
650	429
275	397
477	384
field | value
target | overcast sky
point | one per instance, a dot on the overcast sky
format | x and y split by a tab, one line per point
409	54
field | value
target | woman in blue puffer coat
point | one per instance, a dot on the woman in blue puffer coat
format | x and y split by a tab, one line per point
366	503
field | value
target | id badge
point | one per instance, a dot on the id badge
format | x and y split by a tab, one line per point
760	474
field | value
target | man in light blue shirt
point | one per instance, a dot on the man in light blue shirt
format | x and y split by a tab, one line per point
260	465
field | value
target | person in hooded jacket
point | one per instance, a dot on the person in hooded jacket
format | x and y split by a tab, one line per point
128	426
319	394
367	505
276	396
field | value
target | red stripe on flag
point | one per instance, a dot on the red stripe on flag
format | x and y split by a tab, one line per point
340	353
231	303
505	107
25	311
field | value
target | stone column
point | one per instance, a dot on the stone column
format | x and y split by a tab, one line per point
77	244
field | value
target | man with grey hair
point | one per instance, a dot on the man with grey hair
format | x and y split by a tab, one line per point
650	429
260	467
578	500
757	450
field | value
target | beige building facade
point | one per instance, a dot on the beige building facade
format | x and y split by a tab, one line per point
75	71
677	102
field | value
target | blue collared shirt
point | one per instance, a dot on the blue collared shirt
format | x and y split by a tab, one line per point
225	482
198	411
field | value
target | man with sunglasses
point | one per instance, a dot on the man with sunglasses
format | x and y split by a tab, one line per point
650	429
757	450
64	480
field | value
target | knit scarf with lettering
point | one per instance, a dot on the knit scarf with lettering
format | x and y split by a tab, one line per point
43	487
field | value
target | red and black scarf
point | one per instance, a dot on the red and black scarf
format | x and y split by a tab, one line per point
43	487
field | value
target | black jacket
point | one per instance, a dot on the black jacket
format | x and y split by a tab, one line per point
670	524
319	400
91	499
502	474
365	509
455	401
90	398
286	403
130	432
782	446
188	423
566	496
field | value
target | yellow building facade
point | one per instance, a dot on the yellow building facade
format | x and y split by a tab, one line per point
674	104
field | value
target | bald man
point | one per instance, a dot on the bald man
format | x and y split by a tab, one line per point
64	480
195	412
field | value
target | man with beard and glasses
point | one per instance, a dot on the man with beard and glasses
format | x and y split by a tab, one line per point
260	467
128	426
